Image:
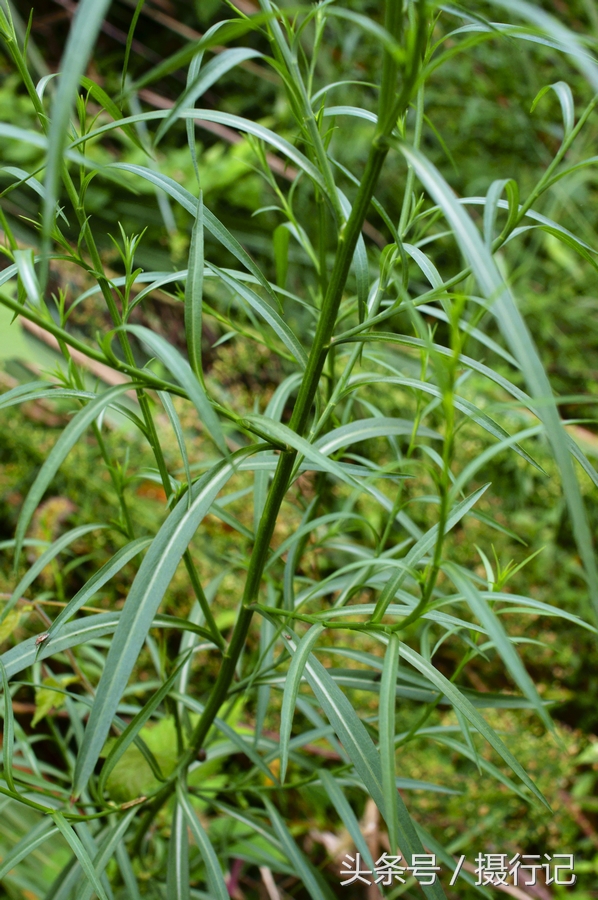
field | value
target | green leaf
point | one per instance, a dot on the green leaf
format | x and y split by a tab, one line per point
218	34
499	637
39	390
209	75
25	178
218	890
101	97
419	550
38	835
347	816
148	588
386	728
492	204
42	561
365	429
108	847
291	689
67	440
563	92
96	582
280	242
518	337
565	39
238	123
129	43
85	28
120	746
279	326
459	701
24	261
8	733
194	291
280	434
73	633
81	853
177	874
213	225
360	749
242	743
128	873
309	876
184	374
465	406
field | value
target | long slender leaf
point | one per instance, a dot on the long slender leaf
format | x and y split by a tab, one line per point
458	699
309	875
42	561
81	853
215	880
386	728
97	581
499	637
145	596
213	225
8	733
84	30
108	847
348	817
420	548
206	77
184	374
38	835
194	291
177	875
360	749
291	689
67	440
517	336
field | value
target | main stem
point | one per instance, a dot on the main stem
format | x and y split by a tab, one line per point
347	242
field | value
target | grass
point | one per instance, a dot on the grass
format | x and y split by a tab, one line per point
299	529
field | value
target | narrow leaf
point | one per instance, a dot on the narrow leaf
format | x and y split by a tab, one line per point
194	291
177	874
184	374
85	28
67	440
291	689
218	890
386	728
81	853
148	588
458	700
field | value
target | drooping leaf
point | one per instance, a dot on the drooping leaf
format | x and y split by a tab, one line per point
67	440
145	596
216	883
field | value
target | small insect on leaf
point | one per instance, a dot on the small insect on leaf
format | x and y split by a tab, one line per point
41	638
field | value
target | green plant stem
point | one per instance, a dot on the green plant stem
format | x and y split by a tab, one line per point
347	242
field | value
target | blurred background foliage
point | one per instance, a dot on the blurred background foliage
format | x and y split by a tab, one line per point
482	129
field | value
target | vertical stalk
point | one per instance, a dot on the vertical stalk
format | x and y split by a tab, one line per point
347	242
